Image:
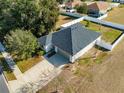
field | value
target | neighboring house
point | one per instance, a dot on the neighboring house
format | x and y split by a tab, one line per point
97	9
119	1
71	42
71	5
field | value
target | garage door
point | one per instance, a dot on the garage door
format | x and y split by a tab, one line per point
63	53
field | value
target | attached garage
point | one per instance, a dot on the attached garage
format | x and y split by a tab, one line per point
72	42
61	52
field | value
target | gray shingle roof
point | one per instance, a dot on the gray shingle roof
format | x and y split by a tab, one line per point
73	38
45	40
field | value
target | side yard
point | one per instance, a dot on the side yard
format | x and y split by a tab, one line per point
108	34
62	20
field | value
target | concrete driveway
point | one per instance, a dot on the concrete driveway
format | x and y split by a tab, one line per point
3	85
57	60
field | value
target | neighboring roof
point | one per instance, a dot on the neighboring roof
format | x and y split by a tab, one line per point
73	38
73	4
99	5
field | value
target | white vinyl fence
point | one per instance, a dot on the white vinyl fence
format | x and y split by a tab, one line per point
102	17
114	4
108	46
103	44
72	22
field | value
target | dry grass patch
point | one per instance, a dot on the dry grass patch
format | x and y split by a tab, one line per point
62	20
27	64
9	75
91	59
116	15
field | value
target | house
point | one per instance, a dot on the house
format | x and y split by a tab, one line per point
71	42
97	9
119	1
71	5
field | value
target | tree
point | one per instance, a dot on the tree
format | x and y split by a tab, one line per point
82	8
88	23
3	14
21	44
38	16
60	1
50	13
83	0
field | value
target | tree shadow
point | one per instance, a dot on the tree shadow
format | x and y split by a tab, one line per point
68	18
5	66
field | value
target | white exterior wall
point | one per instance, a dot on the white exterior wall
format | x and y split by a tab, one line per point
48	47
65	54
56	50
84	50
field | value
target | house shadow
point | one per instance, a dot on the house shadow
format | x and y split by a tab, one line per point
101	48
57	60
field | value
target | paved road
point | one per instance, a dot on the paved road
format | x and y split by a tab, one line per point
3	86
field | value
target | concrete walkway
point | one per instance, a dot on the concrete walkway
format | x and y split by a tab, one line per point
3	84
36	77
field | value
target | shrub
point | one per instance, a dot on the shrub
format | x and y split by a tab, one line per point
40	52
121	6
88	24
82	8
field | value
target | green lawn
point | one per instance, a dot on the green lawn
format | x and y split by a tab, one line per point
108	34
27	64
7	72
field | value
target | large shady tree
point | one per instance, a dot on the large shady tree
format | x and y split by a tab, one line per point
21	44
38	16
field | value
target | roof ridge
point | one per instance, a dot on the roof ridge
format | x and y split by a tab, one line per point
97	5
71	39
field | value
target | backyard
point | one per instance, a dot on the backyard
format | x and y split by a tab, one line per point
62	20
116	15
108	34
98	71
